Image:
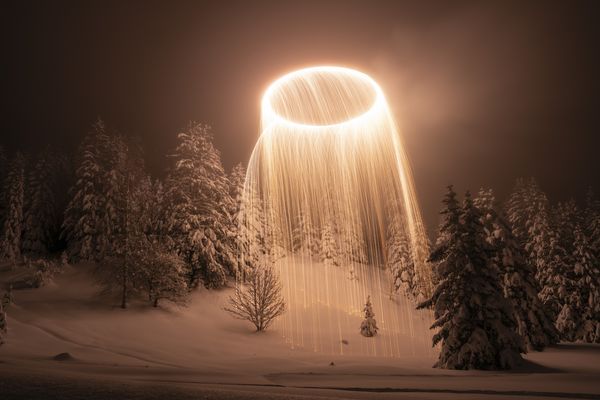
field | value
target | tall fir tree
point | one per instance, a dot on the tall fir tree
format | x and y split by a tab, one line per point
400	260
475	322
83	215
534	324
41	215
13	198
576	286
197	218
329	253
530	218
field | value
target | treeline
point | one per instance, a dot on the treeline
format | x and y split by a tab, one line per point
148	236
515	277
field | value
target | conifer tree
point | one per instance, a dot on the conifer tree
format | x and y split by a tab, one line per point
301	240
83	215
400	259
197	218
475	322
13	198
530	218
534	325
368	327
577	285
40	227
329	254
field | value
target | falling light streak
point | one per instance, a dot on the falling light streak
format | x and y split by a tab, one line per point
330	153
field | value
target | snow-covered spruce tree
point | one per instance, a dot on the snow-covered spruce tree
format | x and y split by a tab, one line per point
301	241
162	275
251	243
400	259
275	242
368	327
530	218
83	214
329	248
475	322
534	324
197	217
126	217
578	284
355	244
40	227
13	198
258	299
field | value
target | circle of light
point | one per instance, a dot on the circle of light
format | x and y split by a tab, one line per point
269	114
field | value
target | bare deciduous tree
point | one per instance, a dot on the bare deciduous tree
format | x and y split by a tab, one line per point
259	299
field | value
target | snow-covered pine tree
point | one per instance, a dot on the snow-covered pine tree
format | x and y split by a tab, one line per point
40	227
529	214
534	324
252	243
578	283
111	241
82	220
400	259
368	327
475	321
197	218
329	247
13	198
301	241
275	241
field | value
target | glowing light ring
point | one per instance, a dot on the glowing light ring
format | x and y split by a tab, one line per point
270	116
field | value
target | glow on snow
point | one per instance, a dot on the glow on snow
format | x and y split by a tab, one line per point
328	172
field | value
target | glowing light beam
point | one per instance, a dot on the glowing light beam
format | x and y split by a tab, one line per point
327	176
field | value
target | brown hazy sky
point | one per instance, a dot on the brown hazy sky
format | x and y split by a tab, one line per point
484	92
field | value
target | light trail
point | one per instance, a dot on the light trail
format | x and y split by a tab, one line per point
328	170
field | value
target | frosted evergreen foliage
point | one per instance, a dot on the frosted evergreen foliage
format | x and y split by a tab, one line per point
534	324
329	246
400	260
40	229
368	327
197	220
474	322
529	216
578	284
13	198
83	215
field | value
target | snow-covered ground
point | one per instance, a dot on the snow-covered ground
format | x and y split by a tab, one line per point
200	351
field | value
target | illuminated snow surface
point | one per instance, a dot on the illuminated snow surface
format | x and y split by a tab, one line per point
201	352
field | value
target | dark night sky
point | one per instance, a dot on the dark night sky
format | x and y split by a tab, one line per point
484	92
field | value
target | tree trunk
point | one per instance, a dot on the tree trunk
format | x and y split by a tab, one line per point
156	302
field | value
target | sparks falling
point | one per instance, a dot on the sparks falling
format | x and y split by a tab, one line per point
327	176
